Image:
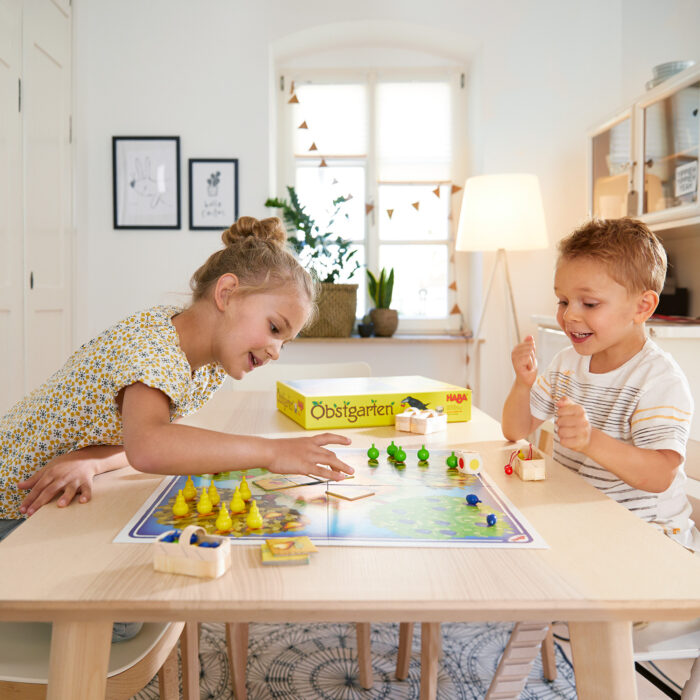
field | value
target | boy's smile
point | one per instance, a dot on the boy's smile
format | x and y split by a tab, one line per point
600	316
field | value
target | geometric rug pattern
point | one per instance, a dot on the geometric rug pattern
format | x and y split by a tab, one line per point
319	662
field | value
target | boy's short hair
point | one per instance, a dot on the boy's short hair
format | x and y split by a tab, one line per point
632	254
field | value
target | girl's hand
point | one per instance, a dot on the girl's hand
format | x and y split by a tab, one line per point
67	475
573	427
307	455
525	361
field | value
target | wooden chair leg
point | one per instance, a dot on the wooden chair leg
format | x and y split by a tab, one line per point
549	662
237	642
189	649
403	659
168	681
364	654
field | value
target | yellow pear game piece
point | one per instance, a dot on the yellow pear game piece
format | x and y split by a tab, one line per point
204	506
237	502
223	520
254	520
180	507
245	490
190	492
213	494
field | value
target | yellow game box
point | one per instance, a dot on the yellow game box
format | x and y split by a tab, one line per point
357	402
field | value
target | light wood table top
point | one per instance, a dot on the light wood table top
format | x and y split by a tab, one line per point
604	569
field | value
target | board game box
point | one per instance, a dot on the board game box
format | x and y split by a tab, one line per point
356	402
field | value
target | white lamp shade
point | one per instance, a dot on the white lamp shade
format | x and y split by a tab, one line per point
502	211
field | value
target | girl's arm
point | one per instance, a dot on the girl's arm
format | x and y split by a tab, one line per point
154	444
70	474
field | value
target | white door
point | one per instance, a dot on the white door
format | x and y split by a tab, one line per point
46	42
11	235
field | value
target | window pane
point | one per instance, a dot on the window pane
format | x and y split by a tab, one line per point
318	187
429	221
336	116
420	279
414	138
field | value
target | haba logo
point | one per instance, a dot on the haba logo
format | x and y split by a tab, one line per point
457	398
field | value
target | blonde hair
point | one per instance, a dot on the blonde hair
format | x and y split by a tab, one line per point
632	254
256	252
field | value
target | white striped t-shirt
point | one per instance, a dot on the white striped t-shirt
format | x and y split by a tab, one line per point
646	402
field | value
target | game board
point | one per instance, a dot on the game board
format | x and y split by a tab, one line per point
410	506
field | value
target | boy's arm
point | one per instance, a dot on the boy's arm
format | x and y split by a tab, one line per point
517	422
646	469
153	444
70	474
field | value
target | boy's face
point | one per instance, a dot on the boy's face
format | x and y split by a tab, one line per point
600	317
255	327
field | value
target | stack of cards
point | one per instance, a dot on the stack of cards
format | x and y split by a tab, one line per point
286	550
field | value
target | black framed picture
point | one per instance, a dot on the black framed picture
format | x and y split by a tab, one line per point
213	193
146	181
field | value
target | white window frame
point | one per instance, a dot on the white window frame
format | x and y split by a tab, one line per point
286	165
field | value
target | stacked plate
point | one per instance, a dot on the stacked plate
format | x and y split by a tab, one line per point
665	70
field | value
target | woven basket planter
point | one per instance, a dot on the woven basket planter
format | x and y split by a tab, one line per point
336	312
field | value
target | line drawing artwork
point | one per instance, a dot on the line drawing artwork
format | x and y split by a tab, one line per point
146	186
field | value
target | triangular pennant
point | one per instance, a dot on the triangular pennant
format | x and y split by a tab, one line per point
415	205
368	208
313	147
291	88
335	182
323	163
293	100
453	286
303	125
455	309
390	212
436	191
348	198
455	188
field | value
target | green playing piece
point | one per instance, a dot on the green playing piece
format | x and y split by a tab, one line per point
400	455
423	454
373	452
452	461
391	450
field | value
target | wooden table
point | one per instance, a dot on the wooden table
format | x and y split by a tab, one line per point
604	569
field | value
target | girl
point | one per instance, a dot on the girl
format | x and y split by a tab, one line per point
117	400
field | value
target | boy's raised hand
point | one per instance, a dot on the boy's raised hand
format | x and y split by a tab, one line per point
524	359
572	423
307	455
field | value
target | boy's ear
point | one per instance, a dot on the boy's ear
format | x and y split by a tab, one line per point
224	288
646	305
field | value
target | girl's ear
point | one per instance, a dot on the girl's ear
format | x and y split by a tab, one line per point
224	289
646	305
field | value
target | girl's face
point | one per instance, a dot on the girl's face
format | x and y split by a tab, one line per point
255	327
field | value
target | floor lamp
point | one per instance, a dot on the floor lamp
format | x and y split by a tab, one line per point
500	213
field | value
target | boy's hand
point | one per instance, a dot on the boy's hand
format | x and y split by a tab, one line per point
307	455
66	475
525	361
573	427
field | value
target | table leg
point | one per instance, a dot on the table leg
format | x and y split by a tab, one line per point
237	642
404	656
364	654
603	662
79	660
429	655
189	652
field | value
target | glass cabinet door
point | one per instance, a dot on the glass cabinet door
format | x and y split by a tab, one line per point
671	136
611	164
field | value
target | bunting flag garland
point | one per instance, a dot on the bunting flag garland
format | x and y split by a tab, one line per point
368	208
455	188
390	212
323	163
303	125
313	147
293	100
291	88
436	191
455	310
453	286
416	205
348	197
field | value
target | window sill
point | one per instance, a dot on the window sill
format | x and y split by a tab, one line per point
397	339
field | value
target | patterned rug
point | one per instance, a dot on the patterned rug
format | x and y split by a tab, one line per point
319	662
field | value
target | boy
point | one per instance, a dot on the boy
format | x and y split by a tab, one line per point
622	406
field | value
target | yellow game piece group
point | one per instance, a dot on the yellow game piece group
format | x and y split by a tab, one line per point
237	502
254	520
223	520
245	490
204	506
190	492
180	507
213	494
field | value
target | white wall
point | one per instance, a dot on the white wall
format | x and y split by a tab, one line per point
545	72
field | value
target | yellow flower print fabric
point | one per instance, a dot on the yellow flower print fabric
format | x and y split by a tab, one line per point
76	407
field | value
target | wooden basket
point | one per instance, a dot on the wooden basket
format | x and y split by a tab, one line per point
336	312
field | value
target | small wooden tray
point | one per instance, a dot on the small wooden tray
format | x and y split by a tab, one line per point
190	559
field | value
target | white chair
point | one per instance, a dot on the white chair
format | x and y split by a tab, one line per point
25	650
265	378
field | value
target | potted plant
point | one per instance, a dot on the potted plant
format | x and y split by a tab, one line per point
326	255
385	319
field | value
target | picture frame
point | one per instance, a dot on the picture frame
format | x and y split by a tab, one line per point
213	193
146	182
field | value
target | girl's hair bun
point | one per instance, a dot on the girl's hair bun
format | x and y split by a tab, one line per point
270	229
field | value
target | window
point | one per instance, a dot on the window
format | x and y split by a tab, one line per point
387	141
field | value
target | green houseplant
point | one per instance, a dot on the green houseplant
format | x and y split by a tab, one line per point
381	289
327	255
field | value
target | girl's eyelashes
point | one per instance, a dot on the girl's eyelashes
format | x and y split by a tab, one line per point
561	302
274	328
